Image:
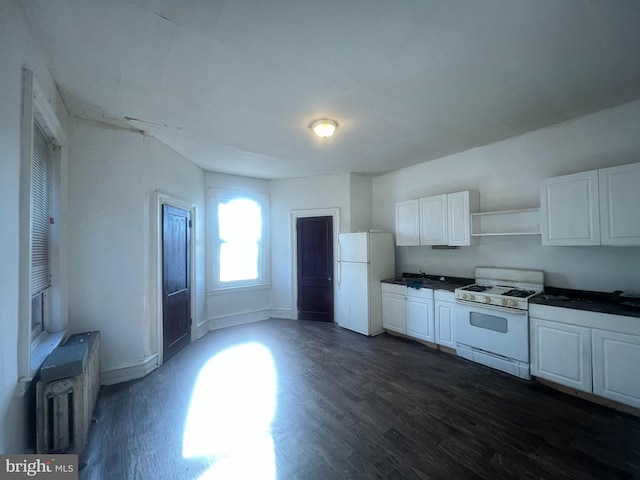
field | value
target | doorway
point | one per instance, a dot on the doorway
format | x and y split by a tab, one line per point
314	247
176	279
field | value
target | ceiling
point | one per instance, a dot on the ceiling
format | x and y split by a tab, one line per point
234	85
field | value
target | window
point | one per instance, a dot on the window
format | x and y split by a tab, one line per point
40	231
42	303
239	239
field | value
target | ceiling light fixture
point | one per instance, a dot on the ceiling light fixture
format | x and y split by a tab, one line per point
324	127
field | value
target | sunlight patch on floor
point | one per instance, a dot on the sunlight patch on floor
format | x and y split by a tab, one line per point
230	415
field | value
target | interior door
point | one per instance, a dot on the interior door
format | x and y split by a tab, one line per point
176	275
315	268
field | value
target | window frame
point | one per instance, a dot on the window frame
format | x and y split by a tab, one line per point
35	346
216	196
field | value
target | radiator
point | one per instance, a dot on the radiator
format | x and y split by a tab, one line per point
66	394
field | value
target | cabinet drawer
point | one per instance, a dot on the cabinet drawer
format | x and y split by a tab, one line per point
420	293
444	295
393	288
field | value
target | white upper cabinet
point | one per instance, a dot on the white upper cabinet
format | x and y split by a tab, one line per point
598	207
439	220
460	206
569	210
407	223
619	189
433	220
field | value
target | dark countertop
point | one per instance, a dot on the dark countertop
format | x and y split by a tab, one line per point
431	281
600	302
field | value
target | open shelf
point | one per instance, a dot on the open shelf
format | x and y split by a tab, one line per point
507	222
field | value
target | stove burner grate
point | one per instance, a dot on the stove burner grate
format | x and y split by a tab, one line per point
476	288
515	292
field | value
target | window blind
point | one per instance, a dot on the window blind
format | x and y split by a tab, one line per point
40	271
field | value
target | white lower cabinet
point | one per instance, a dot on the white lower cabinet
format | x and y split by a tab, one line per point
571	348
561	353
420	314
394	308
423	313
444	315
615	359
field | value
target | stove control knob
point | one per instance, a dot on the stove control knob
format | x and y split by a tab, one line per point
465	296
487	299
472	297
505	302
514	303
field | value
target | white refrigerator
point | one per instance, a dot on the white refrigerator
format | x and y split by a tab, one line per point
364	259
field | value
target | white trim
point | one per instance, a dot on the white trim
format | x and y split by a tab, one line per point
213	198
46	114
317	212
285	313
36	106
202	329
129	372
155	268
238	319
242	289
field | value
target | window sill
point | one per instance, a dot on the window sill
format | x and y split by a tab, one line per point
41	349
238	289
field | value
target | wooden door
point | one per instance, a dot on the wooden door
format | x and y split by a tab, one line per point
315	268
176	276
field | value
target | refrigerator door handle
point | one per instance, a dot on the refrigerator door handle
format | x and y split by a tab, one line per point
339	263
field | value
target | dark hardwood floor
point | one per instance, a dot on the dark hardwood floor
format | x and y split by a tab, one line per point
346	406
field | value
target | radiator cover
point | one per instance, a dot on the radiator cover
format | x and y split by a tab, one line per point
66	394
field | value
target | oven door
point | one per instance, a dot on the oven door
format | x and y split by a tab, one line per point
499	330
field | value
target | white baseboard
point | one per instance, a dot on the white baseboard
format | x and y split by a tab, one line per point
281	313
129	372
201	329
149	364
238	319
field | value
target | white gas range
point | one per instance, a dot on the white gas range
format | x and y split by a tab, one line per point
492	318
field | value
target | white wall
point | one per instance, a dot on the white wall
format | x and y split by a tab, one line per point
18	51
507	174
234	306
361	209
322	192
112	176
345	192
